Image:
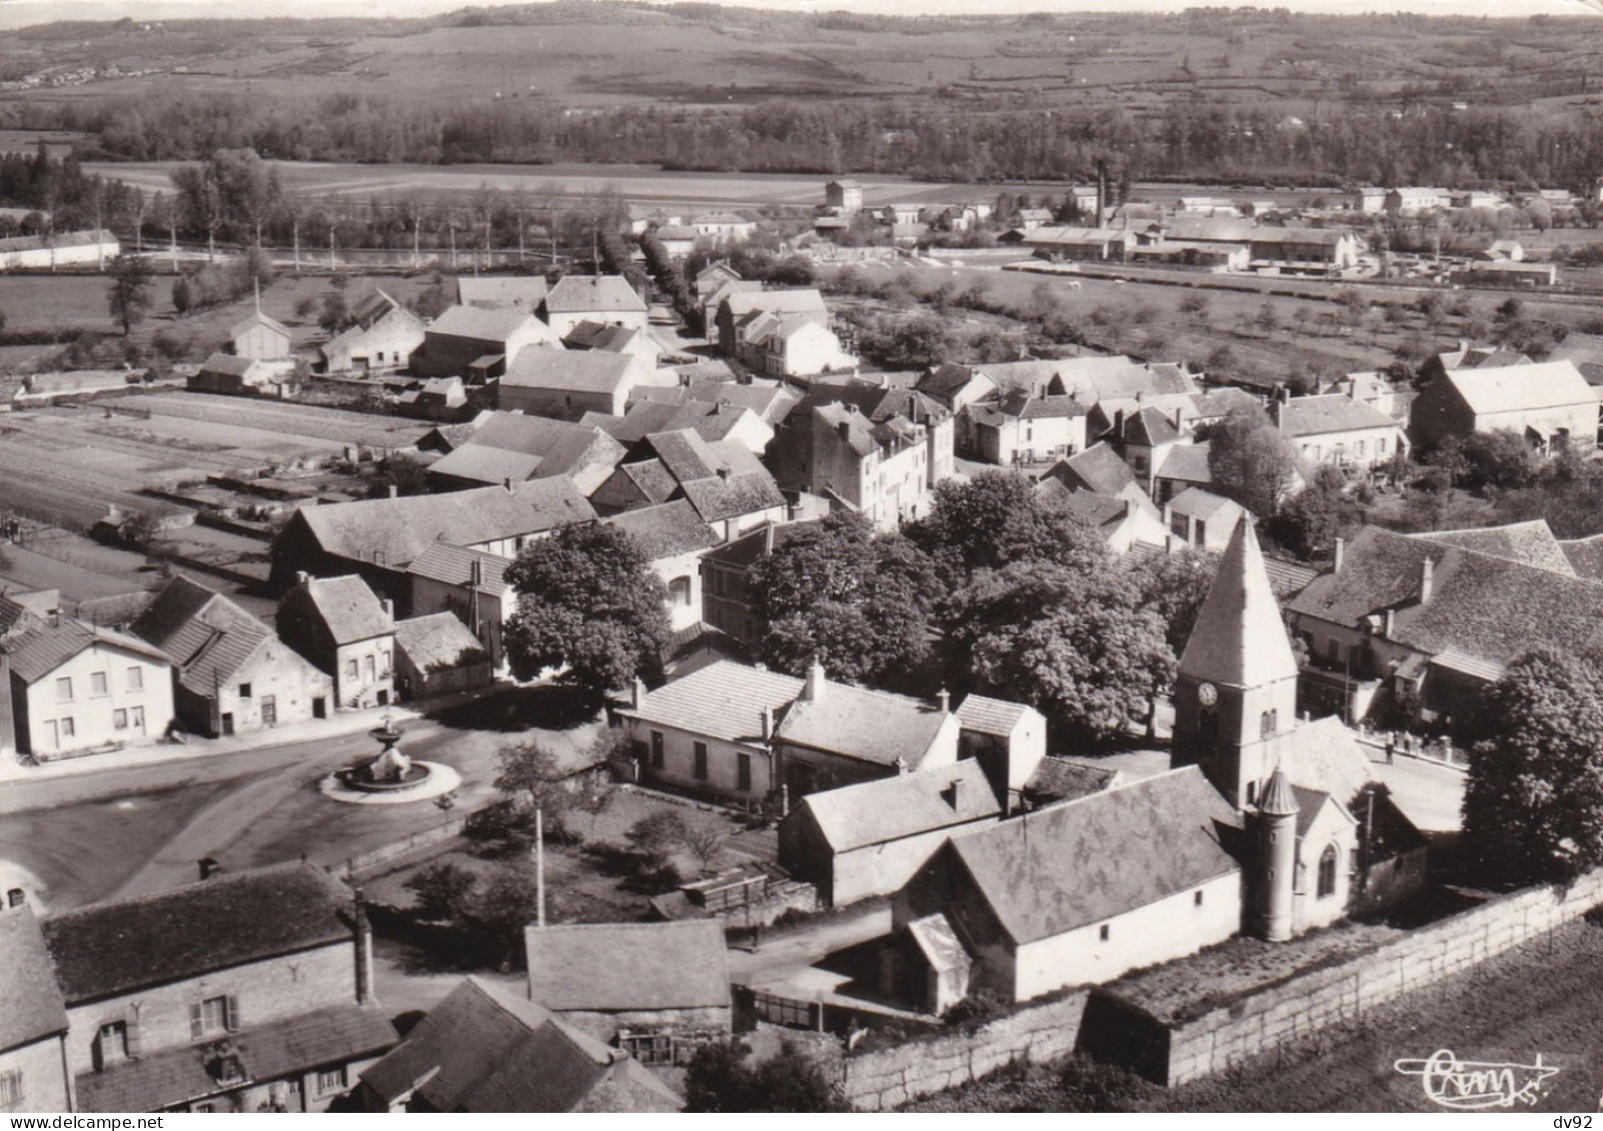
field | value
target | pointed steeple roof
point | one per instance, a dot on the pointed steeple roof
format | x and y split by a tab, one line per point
1279	799
1239	639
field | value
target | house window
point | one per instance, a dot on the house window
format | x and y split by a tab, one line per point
656	750
1380	447
330	1080
64	689
11	1090
214	1015
136	679
1358	449
743	772
113	1042
16	897
244	691
350	669
68	730
1327	872
1268	723
1103	932
119	719
679	591
701	760
653	1048
97	684
369	666
384	664
1196	899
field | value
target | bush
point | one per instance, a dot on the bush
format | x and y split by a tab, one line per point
720	1078
444	891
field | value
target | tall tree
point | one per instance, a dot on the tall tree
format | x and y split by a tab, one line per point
590	604
1533	802
997	518
132	291
1251	462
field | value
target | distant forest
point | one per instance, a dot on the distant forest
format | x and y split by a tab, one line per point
1217	143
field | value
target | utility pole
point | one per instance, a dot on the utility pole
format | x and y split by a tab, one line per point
295	229
539	867
172	233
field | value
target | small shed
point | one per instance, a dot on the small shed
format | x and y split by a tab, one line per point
437	655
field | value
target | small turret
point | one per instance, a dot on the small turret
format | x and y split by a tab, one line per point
1276	820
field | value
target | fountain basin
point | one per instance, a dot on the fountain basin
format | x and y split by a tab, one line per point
434	780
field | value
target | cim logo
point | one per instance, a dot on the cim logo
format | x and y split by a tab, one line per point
1470	1085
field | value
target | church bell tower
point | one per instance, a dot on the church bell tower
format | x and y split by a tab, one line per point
1235	693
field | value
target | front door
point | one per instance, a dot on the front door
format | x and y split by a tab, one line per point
269	710
319	707
228	723
136	719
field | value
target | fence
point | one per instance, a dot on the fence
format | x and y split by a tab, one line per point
384	853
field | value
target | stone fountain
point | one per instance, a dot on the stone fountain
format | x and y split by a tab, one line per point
390	777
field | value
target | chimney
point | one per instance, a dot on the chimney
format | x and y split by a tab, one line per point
1284	392
1180	418
364	951
954	794
16	897
723	474
394	491
302	577
507	483
1427	577
768	539
637	693
209	867
1341	553
945	700
1391	623
813	687
768	724
845	429
1129	508
388	606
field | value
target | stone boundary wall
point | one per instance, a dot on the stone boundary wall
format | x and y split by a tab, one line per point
887	1078
1306	1003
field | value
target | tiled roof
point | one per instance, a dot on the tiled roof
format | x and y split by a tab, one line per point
1098	469
336	1035
627	967
228	920
876	812
1148	428
553	503
1333	412
482	463
1288	578
724	700
1585	556
438	642
479	324
525	291
721	480
1515	388
41	648
30	1001
348	608
453	565
484	1049
580	294
948	380
711	421
1019	865
1529	542
1239	639
206	636
935	938
1324	754
771	402
1063	779
666	530
870	726
229	364
570	371
255	319
742	303
985	715
605	336
648	478
394	532
1186	463
746	549
1197	503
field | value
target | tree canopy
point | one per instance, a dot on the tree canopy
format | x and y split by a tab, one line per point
998	518
131	293
1533	802
860	602
1250	461
589	603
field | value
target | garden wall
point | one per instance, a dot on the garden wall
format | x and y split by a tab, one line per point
887	1078
1176	1052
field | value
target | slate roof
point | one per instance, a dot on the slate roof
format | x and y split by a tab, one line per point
395	531
484	1049
1288	578
231	919
1529	542
478	324
1186	463
720	480
257	318
1485	608
712	422
501	292
438	642
1063	779
870	726
41	648
649	478
876	812
348	608
1239	639
984	715
1131	847
206	636
1098	468
666	530
336	1035
1520	388
724	700
580	294
1148	428
1333	412
570	371
31	1006
453	565
628	967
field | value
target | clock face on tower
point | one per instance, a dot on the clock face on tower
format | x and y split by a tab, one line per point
1207	694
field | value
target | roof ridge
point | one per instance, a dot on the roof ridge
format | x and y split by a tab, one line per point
217	880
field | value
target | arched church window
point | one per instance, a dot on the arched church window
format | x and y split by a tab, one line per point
1327	872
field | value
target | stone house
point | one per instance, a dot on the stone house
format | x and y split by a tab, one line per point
610	337
1548	403
1202	520
502	292
260	337
796	345
726	484
727	601
607	299
244	992
1338	430
339	625
712	421
722	227
75	687
755	736
477	344
566	384
658	991
510	445
739	309
673	537
231	673
484	1049
33	1024
238	376
435	654
844	196
382	337
470	584
1123	523
1021	428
